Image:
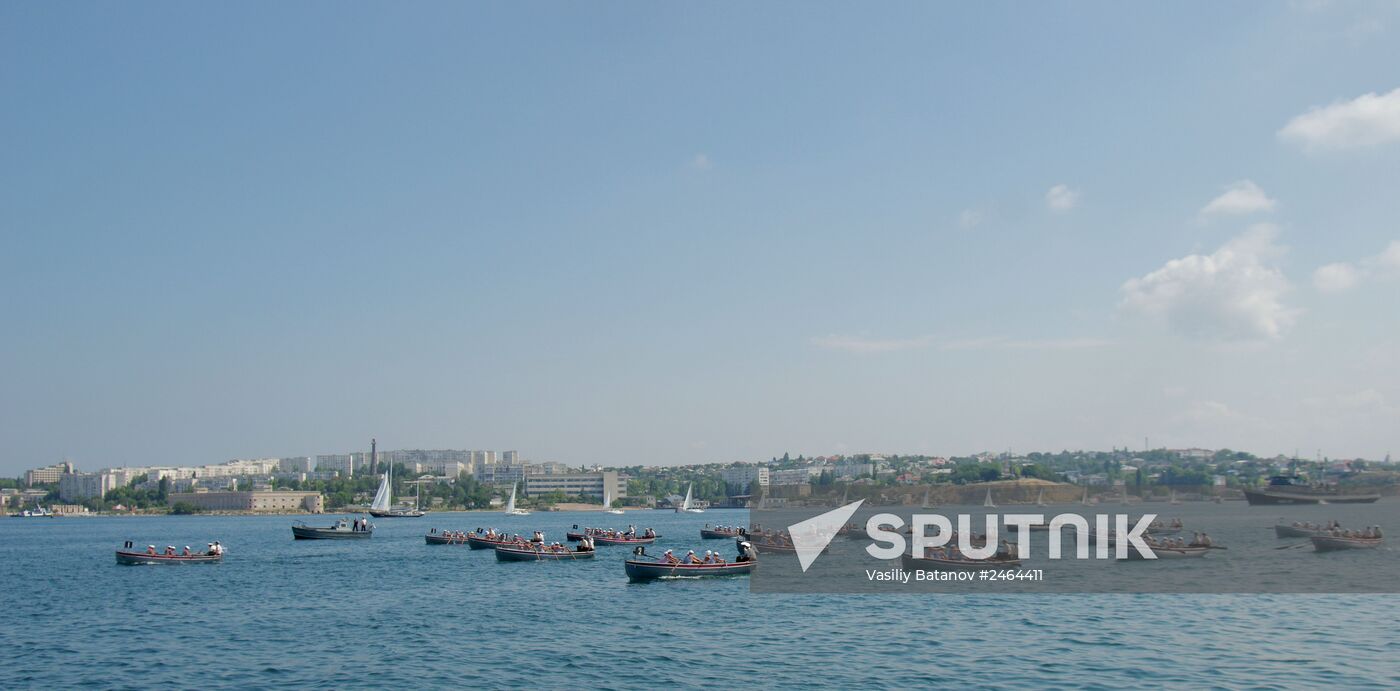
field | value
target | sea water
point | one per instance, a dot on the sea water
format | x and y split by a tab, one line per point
393	611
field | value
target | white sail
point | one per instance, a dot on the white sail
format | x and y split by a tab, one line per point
607	496
1040	498
510	505
685	505
927	491
988	501
1085	501
384	498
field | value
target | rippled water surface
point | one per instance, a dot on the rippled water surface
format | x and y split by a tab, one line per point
393	611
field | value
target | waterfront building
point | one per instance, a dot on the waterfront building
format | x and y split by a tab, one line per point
746	477
273	500
576	484
48	474
342	463
296	464
78	486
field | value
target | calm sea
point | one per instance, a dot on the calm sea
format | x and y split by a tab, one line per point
395	612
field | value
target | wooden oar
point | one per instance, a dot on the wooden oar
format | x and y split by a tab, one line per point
1300	544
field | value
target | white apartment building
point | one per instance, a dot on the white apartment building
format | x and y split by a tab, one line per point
746	476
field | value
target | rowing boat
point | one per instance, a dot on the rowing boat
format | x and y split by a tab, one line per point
133	558
1328	543
445	539
719	534
641	570
1282	530
513	553
605	540
483	542
1190	551
910	561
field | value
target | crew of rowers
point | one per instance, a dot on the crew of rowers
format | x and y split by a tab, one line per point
1175	524
214	549
711	557
731	530
629	534
1197	540
451	535
951	552
1334	528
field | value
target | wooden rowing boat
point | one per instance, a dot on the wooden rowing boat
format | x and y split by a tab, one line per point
1161	552
910	561
477	541
513	553
1329	543
1282	530
604	540
442	539
646	570
132	558
714	534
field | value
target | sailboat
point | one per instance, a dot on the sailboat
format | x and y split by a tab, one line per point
1085	500
383	504
927	504
988	501
510	505
1040	498
1174	501
607	500
685	504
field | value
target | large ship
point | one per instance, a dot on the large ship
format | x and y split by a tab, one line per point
1291	489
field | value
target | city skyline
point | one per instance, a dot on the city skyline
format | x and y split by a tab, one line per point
674	238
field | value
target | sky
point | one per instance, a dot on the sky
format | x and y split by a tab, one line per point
660	233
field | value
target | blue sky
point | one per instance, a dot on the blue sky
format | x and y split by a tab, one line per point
632	233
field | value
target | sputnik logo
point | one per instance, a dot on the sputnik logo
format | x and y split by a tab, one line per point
812	536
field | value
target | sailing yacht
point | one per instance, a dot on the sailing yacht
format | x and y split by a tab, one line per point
988	501
927	504
510	505
1040	498
1174	501
383	505
607	500
685	505
1085	500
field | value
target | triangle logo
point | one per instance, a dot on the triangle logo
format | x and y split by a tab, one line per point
812	536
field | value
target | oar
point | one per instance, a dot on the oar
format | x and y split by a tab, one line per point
1300	544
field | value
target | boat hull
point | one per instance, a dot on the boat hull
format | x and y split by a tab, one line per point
1290	531
909	561
444	540
512	554
650	570
1267	498
1333	544
478	542
397	514
305	532
1169	553
718	534
141	558
600	540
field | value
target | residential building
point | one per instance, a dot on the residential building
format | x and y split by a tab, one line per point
342	463
746	477
48	474
576	484
296	464
75	487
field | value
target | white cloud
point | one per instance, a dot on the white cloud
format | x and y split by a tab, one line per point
701	161
1336	278
1061	198
969	219
1243	197
1367	120
863	344
1340	277
1233	294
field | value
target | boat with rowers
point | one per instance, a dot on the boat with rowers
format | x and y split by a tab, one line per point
534	551
722	532
623	537
343	529
950	559
490	539
1369	538
1304	529
446	537
1291	489
130	556
643	567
